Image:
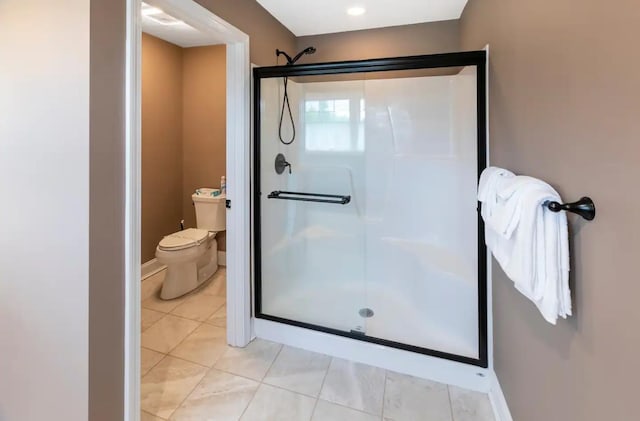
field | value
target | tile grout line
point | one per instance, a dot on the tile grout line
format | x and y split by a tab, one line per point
196	320
250	400
152	325
450	402
363	411
359	411
260	383
155	416
208	369
191	391
200	323
152	367
186	301
324	378
181	341
186	337
235	375
384	393
186	298
281	388
271	365
189	361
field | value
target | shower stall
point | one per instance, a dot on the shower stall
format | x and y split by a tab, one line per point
366	221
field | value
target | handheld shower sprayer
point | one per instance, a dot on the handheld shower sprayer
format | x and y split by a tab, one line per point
285	98
292	61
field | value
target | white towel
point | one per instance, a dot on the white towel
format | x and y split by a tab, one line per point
491	180
528	240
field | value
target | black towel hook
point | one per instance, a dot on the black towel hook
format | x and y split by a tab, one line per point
583	207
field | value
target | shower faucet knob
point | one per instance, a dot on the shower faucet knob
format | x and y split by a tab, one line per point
281	163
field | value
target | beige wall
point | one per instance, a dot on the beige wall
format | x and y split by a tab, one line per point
397	41
183	134
564	106
162	147
204	125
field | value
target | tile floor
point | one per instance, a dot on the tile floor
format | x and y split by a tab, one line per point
189	373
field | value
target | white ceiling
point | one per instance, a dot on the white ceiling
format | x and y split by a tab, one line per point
180	34
312	17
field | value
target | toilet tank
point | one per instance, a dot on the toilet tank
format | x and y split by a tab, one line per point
211	213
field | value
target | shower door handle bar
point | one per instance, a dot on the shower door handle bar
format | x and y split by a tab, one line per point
310	197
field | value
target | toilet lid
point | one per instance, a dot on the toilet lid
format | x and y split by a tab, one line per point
183	239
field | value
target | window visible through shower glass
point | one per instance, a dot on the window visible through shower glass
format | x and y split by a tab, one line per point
333	125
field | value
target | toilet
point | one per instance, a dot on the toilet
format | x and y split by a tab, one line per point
191	255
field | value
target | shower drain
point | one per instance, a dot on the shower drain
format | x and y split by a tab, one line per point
365	312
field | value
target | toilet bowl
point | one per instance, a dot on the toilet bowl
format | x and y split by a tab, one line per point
191	257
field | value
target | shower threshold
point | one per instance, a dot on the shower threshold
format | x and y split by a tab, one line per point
394	322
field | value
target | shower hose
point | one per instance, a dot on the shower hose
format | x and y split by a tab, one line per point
285	102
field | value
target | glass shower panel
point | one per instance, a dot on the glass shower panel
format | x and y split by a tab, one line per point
312	245
421	211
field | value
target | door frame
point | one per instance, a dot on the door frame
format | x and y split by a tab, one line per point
238	181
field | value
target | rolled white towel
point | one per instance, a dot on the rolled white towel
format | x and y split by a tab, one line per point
490	183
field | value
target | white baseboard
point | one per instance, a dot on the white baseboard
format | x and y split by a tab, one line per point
498	401
222	258
150	268
423	366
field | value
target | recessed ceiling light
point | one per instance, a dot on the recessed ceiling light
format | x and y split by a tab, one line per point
165	19
158	15
148	10
356	11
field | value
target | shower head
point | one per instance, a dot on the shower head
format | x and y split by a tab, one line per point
291	61
308	50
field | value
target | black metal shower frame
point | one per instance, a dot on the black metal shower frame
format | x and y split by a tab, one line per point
459	59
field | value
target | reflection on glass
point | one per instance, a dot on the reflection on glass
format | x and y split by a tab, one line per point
329	126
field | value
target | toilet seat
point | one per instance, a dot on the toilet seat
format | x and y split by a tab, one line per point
191	237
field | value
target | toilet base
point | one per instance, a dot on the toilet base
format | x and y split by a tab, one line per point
183	277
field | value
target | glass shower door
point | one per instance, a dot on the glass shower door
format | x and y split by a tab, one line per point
367	214
312	244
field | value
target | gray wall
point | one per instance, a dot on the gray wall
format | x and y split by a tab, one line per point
565	106
106	211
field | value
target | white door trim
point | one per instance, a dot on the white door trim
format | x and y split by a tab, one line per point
238	184
238	191
133	177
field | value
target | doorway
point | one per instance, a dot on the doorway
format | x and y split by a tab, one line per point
205	24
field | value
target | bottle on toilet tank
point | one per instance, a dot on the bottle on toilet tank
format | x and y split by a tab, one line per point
223	185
